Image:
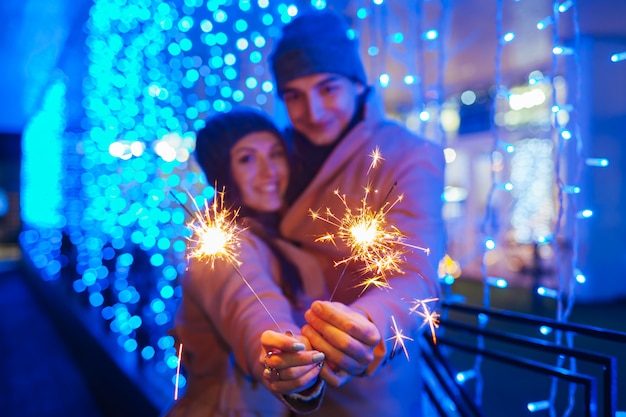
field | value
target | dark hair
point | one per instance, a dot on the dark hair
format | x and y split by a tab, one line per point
213	145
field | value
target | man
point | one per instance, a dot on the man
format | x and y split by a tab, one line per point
337	124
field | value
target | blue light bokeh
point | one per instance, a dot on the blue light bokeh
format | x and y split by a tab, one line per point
98	204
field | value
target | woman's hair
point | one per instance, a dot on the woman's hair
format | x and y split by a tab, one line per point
216	139
213	145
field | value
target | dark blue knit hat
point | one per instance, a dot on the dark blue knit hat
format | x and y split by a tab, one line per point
313	43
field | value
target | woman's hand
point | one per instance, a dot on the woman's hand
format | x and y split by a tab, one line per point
289	364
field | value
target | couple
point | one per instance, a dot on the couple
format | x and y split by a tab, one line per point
336	358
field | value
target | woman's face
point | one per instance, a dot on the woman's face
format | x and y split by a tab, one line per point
259	166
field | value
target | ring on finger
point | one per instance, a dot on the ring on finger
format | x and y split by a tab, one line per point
267	356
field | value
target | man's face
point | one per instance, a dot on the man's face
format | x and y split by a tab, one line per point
320	106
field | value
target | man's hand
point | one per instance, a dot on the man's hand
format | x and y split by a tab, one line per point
346	337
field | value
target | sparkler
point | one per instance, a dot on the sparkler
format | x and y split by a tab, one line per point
430	317
368	236
216	237
399	338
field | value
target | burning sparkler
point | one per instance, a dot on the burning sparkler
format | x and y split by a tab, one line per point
365	231
216	233
430	317
216	236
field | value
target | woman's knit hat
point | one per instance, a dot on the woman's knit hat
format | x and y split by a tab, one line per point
216	139
313	43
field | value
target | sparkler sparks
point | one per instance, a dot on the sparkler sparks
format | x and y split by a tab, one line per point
216	233
180	354
430	317
216	237
376	158
364	230
399	338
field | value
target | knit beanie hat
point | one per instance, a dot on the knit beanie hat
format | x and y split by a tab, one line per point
313	43
216	139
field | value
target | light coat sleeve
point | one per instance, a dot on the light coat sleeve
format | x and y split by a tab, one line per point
412	167
226	294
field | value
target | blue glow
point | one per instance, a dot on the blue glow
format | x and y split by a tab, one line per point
41	161
620	56
545	330
541	25
538	406
361	13
384	80
318	4
185	24
463	377
508	37
165	342
152	76
372	51
490	244
547	292
267	19
292	10
172	362
448	279
562	50
258	40
597	162
96	299
397	37
167	292
566	134
130	345
251	82
565	6
147	352
241	25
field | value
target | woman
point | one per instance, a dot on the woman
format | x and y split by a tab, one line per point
228	337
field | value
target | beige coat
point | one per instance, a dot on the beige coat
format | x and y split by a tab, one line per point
418	168
220	323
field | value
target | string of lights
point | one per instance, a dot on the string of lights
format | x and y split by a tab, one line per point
566	292
158	68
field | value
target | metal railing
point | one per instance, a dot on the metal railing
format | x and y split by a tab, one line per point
518	350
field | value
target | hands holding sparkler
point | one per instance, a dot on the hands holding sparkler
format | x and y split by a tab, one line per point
345	335
289	364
